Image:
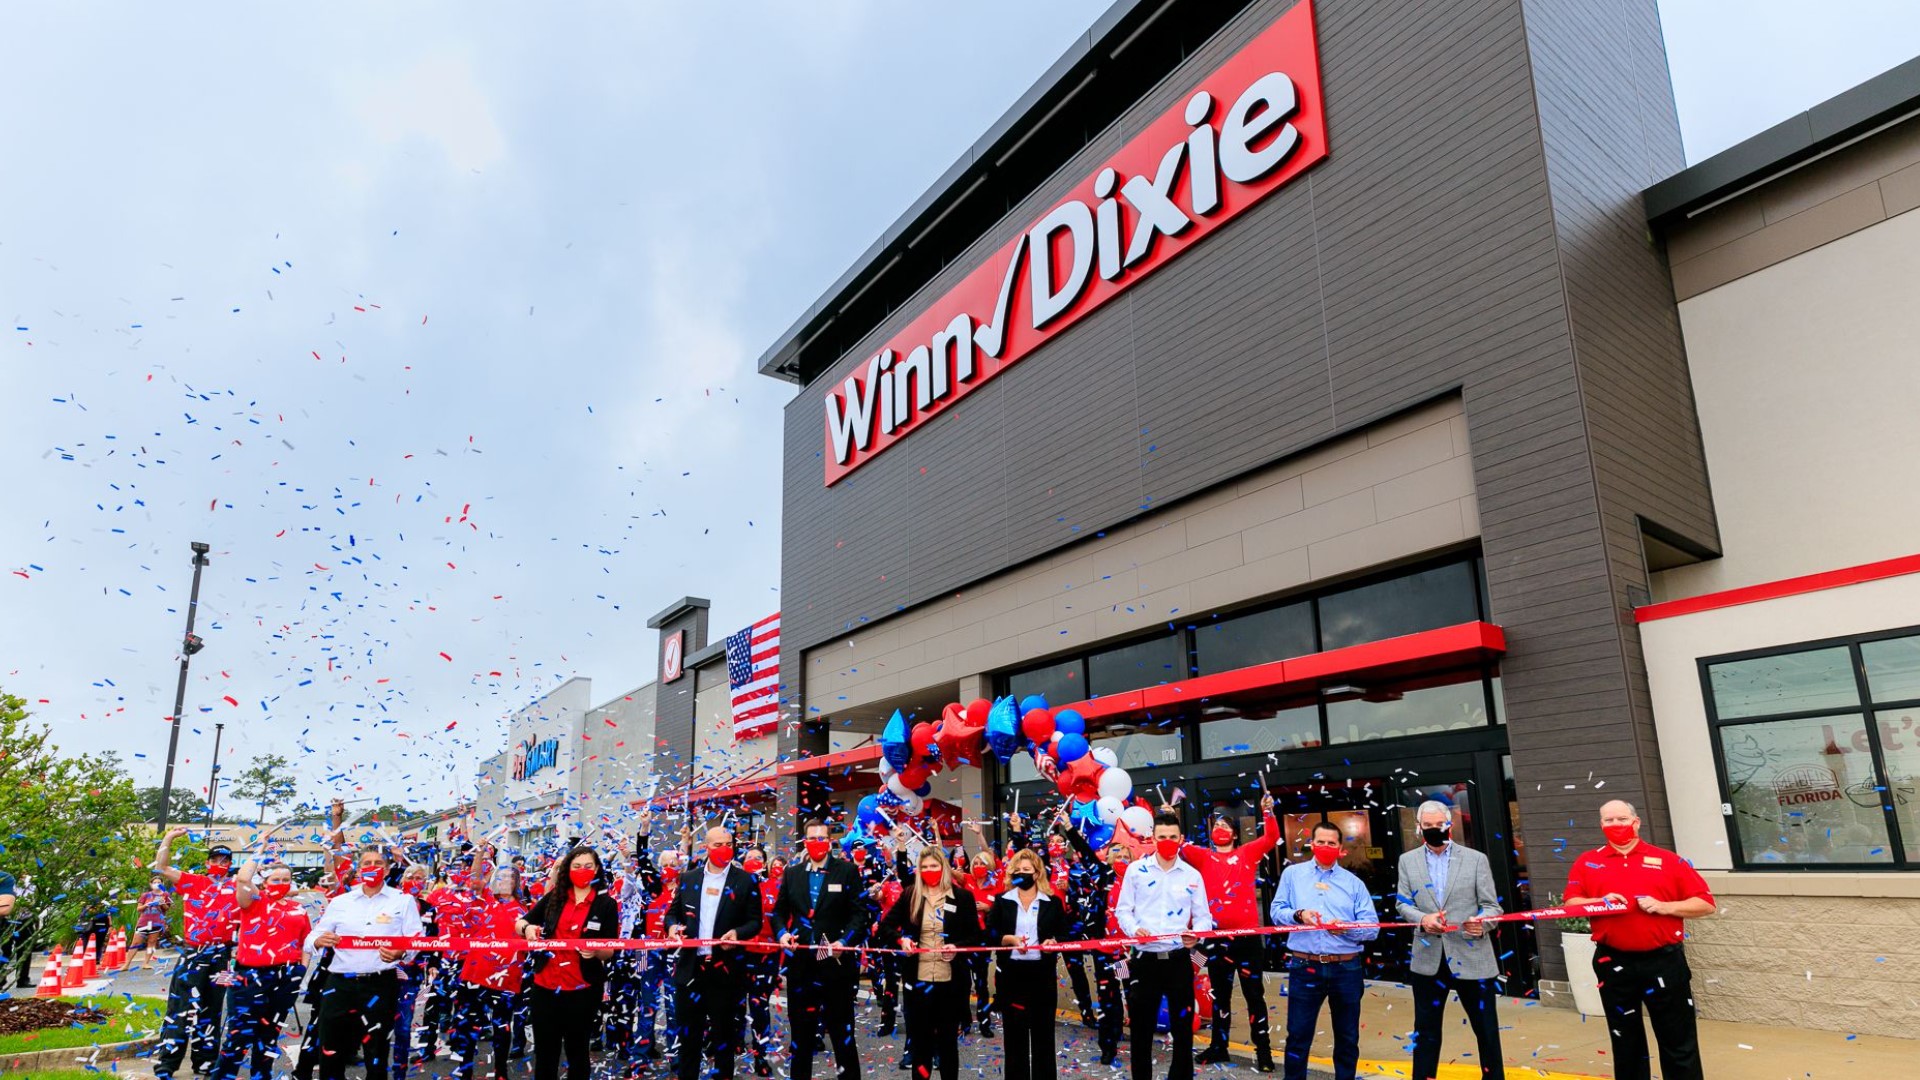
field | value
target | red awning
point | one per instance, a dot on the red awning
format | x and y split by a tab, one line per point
1430	650
859	755
738	790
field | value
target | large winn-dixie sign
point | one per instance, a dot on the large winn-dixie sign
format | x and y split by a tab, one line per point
1247	129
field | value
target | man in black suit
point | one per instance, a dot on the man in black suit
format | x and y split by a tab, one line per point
821	903
720	902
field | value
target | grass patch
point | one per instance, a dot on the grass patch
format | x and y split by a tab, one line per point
140	1014
105	1072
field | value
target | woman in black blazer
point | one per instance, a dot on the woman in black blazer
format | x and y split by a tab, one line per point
1027	988
567	984
935	915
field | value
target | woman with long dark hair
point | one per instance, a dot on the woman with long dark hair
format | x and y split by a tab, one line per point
934	916
567	983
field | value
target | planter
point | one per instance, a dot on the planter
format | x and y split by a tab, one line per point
76	1057
1578	950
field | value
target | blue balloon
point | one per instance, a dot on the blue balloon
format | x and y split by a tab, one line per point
1003	729
869	813
895	742
1086	818
1068	722
1072	748
1032	702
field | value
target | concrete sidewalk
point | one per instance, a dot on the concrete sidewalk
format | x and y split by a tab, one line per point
1549	1043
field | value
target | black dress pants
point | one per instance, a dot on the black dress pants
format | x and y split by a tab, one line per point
193	1010
1159	976
563	1022
1106	976
1243	959
357	1014
1660	985
1027	993
933	1024
820	999
708	995
1479	998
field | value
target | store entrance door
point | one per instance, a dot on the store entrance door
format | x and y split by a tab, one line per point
1374	805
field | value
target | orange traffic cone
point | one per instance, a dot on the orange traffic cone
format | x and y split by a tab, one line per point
70	978
89	967
116	949
49	977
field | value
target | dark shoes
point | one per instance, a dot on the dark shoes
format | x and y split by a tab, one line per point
1213	1055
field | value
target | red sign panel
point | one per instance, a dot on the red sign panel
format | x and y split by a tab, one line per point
1244	132
673	650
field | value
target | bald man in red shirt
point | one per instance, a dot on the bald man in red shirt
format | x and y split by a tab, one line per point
1638	954
1233	894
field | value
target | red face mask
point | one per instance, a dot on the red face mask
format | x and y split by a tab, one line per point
859	856
1326	854
372	875
411	886
752	864
581	876
1056	849
817	849
1620	835
1222	835
275	890
1119	862
720	854
930	878
1167	846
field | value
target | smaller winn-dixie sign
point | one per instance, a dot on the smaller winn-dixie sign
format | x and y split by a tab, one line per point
1247	129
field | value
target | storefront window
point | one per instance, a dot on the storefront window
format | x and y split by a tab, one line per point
1259	638
1130	667
1803	792
1893	668
1390	714
1784	683
1443	596
1136	750
1798	735
1058	683
1285	729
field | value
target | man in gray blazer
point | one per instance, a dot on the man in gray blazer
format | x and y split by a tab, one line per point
1448	889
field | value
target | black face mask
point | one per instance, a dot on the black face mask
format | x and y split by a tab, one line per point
1022	881
1436	835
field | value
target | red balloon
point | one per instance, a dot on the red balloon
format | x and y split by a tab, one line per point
913	776
1037	725
977	712
921	740
1081	778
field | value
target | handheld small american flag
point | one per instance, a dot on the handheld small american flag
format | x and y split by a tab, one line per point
753	673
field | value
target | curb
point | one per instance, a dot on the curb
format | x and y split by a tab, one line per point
76	1057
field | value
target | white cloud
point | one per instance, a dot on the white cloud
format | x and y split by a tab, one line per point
437	100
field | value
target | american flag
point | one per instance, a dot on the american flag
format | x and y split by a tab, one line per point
753	673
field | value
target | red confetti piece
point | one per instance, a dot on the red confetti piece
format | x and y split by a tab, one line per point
447	658
228	698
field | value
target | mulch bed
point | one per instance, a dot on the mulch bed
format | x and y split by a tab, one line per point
21	1015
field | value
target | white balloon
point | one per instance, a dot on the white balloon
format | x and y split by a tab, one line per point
1109	810
914	805
1138	820
899	787
886	768
1106	757
1115	784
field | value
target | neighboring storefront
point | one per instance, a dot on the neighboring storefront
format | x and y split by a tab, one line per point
570	768
1786	674
1314	392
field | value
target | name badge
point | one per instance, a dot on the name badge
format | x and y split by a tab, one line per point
383	918
949	907
835	887
593	924
1652	861
713	892
1322	886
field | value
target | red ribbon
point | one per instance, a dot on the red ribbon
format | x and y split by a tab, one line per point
428	944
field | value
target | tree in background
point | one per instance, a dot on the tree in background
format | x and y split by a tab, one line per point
269	782
188	808
385	814
70	833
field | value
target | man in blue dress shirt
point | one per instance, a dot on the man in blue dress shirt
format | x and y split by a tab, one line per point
1324	965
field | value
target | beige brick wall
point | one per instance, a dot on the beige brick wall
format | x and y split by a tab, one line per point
1400	488
1833	963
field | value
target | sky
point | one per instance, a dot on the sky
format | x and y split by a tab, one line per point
439	323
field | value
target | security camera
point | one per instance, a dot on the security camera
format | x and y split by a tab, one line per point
193	644
200	547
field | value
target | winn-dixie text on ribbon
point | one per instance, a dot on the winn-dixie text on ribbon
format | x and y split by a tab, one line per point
1246	130
428	944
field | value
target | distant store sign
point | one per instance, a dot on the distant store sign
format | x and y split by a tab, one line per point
534	756
1249	128
673	655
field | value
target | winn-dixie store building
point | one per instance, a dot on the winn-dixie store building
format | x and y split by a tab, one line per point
1298	383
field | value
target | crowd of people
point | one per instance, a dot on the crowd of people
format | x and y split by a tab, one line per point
947	942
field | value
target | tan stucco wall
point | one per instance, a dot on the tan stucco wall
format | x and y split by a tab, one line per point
716	754
1400	488
1823	962
1807	382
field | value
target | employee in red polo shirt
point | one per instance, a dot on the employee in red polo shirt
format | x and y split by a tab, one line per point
1638	954
1233	892
208	908
267	969
568	982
